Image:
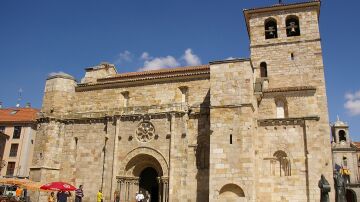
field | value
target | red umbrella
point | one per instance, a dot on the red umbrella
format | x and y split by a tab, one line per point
58	186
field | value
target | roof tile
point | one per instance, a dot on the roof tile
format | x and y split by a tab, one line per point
9	115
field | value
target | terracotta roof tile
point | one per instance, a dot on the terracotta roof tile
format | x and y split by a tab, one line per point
154	73
18	115
356	144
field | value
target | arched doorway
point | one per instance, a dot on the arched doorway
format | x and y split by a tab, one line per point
148	183
350	195
144	169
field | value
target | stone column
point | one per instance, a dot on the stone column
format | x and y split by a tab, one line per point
115	161
128	186
172	155
165	189
160	188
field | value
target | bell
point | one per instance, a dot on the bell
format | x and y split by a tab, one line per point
293	29
292	26
271	30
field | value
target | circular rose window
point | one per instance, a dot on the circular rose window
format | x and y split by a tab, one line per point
145	132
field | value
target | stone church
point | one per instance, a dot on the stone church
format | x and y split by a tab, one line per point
252	129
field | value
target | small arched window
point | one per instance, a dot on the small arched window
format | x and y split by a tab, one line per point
342	136
344	161
282	165
263	69
270	28
292	26
281	108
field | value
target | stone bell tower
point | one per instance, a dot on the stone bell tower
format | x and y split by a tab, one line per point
289	87
340	134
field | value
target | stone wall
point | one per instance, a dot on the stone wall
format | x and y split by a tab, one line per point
232	126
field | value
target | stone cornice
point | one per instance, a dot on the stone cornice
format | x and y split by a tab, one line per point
127	113
284	43
230	61
287	121
43	167
287	89
298	91
233	106
346	149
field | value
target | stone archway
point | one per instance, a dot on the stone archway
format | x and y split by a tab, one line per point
350	195
231	193
144	169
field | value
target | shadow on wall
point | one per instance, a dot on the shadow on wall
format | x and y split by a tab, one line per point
203	150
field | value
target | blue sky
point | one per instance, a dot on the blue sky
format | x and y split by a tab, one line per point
42	36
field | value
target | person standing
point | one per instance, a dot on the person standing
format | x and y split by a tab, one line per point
99	196
116	196
147	196
18	193
79	194
62	196
139	197
51	197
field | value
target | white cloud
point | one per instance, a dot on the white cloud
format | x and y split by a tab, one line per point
230	58
155	63
145	56
352	103
160	63
190	58
123	57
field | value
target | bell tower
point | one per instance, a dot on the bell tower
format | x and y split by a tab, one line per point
289	84
340	134
285	38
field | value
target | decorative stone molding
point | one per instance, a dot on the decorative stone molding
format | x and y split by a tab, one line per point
147	151
145	131
299	91
286	121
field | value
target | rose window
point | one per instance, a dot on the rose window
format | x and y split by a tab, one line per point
145	132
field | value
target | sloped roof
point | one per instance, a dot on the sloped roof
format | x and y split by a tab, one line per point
17	115
356	144
155	73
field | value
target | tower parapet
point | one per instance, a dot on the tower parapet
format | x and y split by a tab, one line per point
59	93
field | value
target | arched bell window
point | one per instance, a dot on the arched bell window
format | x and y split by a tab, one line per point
270	28
292	26
342	136
263	69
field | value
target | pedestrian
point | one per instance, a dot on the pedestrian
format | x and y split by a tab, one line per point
139	196
51	197
79	194
116	196
99	196
62	196
18	193
147	196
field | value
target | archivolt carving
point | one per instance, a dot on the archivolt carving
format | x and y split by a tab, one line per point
145	131
145	151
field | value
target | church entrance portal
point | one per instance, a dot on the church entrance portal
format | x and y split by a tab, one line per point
145	170
148	183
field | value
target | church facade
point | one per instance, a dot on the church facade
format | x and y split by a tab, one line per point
253	129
